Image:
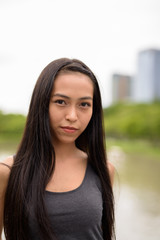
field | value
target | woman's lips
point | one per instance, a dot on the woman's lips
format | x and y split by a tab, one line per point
69	129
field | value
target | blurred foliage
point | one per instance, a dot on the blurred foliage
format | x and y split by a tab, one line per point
133	121
11	126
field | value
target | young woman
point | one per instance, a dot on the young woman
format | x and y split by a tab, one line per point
59	183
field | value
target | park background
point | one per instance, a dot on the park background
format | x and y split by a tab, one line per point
107	36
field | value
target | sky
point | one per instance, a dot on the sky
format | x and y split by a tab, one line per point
105	34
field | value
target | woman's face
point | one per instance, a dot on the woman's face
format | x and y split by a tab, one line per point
71	106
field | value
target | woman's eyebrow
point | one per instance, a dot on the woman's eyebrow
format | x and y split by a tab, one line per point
85	98
60	95
64	96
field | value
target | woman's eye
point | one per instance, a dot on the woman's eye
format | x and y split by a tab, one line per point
85	104
60	102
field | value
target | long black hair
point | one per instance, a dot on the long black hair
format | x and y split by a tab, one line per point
34	161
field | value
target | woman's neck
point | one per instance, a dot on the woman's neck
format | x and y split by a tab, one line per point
65	151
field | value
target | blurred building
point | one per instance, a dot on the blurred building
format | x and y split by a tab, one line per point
121	88
147	82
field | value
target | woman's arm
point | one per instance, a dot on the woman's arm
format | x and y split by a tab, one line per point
111	172
4	176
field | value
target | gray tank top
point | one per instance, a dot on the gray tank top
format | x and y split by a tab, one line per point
76	214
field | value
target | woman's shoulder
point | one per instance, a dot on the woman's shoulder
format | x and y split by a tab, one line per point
5	167
8	162
111	169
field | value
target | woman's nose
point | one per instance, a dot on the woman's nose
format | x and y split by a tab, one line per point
71	114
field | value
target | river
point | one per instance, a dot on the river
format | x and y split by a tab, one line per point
137	195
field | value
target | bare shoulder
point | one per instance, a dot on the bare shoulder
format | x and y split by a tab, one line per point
5	171
4	176
8	161
111	169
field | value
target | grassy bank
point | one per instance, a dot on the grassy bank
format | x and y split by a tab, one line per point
138	147
9	144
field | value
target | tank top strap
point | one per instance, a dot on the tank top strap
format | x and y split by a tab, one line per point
6	165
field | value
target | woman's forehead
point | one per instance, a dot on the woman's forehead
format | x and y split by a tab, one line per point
73	82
